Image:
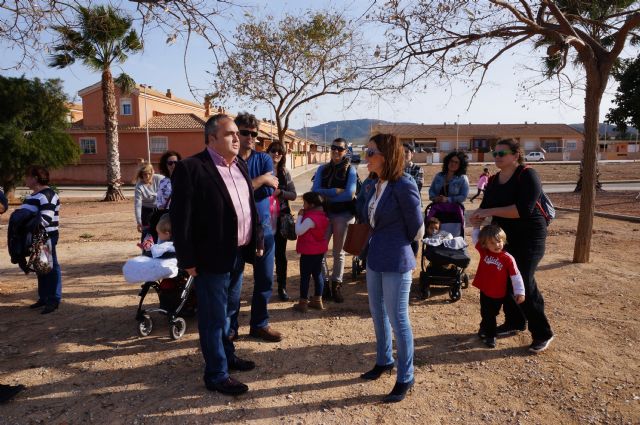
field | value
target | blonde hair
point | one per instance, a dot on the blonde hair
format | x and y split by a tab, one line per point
164	224
144	167
491	232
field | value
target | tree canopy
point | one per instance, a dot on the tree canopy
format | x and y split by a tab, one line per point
442	39
33	120
627	98
298	59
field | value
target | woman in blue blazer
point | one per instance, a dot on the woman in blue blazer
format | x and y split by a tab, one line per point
389	201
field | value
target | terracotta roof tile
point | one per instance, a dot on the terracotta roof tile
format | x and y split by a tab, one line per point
432	131
176	121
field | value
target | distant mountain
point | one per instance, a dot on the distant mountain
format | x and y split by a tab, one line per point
610	131
355	131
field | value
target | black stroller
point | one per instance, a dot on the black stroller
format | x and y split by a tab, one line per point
177	300
442	266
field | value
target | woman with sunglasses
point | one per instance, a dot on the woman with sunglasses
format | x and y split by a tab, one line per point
168	162
510	199
390	203
285	192
336	182
451	186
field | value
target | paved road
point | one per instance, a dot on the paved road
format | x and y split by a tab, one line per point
303	184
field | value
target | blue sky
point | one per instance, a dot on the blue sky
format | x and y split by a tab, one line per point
499	100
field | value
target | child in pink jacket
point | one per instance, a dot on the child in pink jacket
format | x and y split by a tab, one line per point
312	244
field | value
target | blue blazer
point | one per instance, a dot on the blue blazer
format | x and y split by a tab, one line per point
398	219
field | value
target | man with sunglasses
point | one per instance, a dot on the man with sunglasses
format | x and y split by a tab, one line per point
264	184
336	181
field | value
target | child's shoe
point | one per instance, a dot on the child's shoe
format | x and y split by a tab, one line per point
316	303
490	342
302	306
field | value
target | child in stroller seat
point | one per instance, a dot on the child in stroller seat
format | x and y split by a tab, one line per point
158	269
444	259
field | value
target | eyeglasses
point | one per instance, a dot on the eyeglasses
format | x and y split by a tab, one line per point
172	162
338	148
371	152
278	152
247	133
501	153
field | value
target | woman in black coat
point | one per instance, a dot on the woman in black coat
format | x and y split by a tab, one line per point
511	199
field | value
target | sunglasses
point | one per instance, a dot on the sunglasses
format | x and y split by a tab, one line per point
278	152
371	152
247	133
501	153
338	148
172	162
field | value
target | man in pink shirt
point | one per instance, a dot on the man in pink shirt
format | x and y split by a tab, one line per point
215	230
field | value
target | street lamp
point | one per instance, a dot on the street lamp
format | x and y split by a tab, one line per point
146	121
306	117
457	120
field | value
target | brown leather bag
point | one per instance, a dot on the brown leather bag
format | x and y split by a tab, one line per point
357	237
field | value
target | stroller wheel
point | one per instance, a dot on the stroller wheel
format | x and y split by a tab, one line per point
177	328
465	281
454	293
145	326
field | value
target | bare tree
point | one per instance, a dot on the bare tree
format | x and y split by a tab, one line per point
296	60
461	38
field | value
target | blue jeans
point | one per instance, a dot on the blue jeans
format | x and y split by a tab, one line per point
262	284
218	299
50	285
311	265
389	306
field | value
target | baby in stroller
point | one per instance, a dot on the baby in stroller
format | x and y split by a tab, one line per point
157	267
444	259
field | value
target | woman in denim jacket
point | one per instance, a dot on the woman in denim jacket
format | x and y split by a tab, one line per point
452	183
390	203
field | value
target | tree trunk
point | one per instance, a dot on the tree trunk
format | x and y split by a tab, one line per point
582	248
110	110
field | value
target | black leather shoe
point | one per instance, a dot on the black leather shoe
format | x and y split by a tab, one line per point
399	392
377	370
49	308
282	294
236	363
229	387
37	304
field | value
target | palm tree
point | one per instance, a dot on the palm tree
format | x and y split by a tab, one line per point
103	37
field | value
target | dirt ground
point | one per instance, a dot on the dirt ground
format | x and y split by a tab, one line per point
85	363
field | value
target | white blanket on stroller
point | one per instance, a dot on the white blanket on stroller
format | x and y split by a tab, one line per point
146	269
450	242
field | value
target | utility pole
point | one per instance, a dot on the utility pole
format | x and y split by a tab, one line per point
457	120
146	121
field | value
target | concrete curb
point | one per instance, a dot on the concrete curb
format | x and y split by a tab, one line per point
303	170
621	217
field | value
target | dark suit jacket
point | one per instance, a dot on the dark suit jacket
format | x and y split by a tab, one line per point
204	224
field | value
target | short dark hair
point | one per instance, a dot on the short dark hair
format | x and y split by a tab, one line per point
245	119
432	220
211	127
163	161
40	173
314	198
462	170
514	147
408	146
340	140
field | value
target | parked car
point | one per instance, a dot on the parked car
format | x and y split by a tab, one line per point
534	156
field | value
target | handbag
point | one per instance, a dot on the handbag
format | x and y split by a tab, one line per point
357	238
287	227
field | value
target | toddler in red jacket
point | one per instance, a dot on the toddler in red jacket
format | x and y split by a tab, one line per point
495	268
312	244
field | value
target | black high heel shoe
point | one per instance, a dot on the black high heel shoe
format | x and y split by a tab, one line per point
377	370
398	392
282	294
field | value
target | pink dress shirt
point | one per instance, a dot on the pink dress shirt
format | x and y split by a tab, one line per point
239	192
